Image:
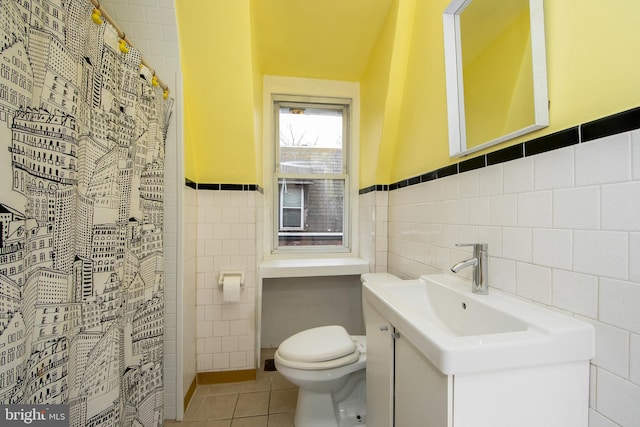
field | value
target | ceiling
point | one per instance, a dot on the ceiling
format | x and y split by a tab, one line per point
324	39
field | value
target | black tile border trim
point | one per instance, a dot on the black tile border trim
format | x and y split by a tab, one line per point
611	125
616	123
190	183
505	155
223	187
369	189
624	121
471	164
554	141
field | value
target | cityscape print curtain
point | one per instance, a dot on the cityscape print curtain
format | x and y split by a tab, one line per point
82	130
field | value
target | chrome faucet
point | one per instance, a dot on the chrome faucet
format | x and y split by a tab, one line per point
479	261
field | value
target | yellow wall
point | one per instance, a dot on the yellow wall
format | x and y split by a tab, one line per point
189	151
422	126
221	135
257	77
593	72
375	95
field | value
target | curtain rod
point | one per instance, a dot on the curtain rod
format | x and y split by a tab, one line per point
121	34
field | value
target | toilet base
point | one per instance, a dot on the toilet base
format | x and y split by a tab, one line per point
353	413
316	409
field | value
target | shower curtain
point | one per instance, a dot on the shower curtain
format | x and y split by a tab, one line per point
82	130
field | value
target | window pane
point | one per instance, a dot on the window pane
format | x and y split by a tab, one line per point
321	221
292	196
291	217
311	140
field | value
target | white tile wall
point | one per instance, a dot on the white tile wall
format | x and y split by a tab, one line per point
635	155
150	26
226	230
619	206
367	228
577	208
618	399
604	161
602	253
552	248
634	254
518	176
373	229
563	229
554	169
634	368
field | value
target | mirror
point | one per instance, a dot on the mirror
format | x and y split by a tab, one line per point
496	72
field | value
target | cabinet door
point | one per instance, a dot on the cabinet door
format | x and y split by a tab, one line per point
422	392
379	368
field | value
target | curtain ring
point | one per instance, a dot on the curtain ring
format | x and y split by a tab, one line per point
123	44
96	15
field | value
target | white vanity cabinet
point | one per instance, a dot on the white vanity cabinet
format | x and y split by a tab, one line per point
422	393
379	368
404	389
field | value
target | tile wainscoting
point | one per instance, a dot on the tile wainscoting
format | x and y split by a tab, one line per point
563	228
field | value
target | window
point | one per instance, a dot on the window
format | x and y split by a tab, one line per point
310	149
311	172
291	205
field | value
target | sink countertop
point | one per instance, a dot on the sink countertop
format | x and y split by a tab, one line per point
539	336
317	266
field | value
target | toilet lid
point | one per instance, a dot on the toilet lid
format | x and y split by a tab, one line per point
317	366
317	345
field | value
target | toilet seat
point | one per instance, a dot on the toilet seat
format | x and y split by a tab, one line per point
325	347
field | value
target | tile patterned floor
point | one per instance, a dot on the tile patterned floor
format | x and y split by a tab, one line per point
270	401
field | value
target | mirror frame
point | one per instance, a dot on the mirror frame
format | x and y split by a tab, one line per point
455	86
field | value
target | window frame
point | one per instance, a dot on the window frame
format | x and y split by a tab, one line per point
312	91
282	207
318	103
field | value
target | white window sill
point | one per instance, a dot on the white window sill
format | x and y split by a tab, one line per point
308	267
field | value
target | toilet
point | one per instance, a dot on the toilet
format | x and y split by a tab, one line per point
328	366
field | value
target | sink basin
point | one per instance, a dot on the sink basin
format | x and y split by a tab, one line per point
453	312
461	332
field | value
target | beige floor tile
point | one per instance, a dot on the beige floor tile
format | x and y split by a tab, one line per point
262	383
270	401
217	407
260	421
200	423
207	423
266	375
252	404
209	389
283	400
284	419
194	406
279	382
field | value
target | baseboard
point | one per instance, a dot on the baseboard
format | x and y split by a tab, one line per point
220	377
190	392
